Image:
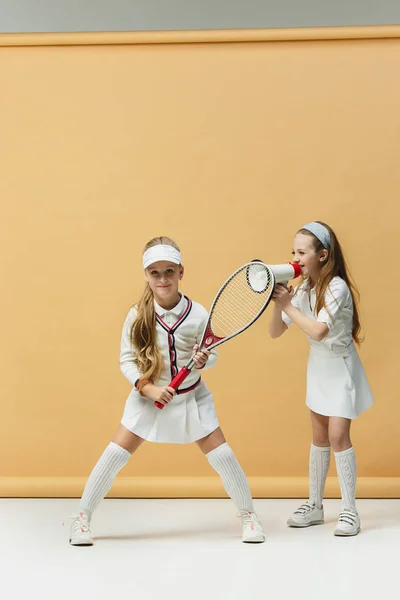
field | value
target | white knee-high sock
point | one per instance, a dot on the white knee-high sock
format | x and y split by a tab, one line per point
320	458
347	472
101	478
235	483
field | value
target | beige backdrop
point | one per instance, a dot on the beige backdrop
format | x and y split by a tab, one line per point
228	148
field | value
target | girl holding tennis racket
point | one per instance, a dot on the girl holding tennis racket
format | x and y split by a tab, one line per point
324	307
159	336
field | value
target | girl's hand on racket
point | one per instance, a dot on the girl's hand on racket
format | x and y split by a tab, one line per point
200	358
162	394
283	295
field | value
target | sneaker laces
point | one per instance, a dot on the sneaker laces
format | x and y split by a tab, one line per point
79	522
348	516
249	519
304	509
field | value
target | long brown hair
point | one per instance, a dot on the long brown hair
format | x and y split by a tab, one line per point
143	333
334	266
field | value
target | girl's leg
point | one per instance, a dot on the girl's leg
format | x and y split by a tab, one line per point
312	512
113	459
339	434
320	457
222	459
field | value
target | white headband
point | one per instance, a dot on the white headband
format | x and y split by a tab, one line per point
161	252
320	233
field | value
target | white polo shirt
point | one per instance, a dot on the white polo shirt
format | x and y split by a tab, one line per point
338	315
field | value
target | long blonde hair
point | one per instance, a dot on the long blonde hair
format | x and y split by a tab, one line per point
334	266
143	332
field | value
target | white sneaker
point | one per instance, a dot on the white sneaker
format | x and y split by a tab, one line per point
348	523
307	514
80	533
252	531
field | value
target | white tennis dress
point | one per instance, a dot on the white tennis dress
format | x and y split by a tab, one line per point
336	382
191	414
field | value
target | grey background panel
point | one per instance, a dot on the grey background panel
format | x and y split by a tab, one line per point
141	15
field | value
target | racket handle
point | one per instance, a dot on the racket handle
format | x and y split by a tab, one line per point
175	383
180	378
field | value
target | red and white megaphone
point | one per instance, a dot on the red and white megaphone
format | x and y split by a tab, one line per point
286	272
258	274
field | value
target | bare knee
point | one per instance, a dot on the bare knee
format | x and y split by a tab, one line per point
339	433
321	436
127	440
322	441
211	441
340	441
320	429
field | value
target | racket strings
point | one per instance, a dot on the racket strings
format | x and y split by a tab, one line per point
239	304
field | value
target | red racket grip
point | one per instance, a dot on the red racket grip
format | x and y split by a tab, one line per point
175	383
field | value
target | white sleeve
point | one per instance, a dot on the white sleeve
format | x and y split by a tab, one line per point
336	296
213	353
295	302
127	358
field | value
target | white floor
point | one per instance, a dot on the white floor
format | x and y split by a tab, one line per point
161	549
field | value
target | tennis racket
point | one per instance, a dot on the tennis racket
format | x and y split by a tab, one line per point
240	301
238	304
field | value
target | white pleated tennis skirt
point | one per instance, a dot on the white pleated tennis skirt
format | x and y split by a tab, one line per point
336	382
188	417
